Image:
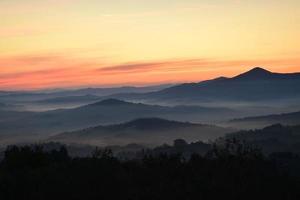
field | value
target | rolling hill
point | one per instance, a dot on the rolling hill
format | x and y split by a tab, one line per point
146	131
43	100
49	95
105	112
266	120
274	138
70	99
9	107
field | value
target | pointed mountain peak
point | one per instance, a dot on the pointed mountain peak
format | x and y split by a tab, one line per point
255	73
258	70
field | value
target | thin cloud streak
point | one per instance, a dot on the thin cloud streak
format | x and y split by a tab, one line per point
149	66
48	71
192	64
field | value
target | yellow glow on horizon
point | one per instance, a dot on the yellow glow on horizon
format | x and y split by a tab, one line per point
83	35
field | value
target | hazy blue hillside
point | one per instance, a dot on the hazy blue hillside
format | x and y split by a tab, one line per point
262	121
51	99
6	116
256	92
146	131
108	111
10	107
41	95
69	99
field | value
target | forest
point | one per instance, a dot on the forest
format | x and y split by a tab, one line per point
234	170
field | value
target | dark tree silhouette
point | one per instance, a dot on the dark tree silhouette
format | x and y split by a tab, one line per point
232	170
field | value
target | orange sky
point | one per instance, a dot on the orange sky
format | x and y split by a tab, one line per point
77	43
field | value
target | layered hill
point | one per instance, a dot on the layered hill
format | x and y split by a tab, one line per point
44	95
266	120
146	131
274	138
108	111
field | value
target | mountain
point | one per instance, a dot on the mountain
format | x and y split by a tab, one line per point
43	95
7	116
70	99
256	73
146	131
9	107
253	86
262	121
152	124
109	111
111	102
66	102
43	100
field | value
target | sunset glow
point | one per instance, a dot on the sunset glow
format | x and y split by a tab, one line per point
77	43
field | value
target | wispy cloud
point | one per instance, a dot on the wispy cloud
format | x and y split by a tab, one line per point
58	70
141	67
191	65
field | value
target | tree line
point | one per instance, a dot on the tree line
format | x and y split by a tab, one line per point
235	170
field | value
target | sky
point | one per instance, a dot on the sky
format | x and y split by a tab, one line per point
80	43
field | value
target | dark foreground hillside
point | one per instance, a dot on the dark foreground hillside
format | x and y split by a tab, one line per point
234	172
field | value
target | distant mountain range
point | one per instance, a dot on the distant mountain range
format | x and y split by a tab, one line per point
108	111
9	107
146	131
257	84
69	99
256	92
41	95
43	100
266	120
